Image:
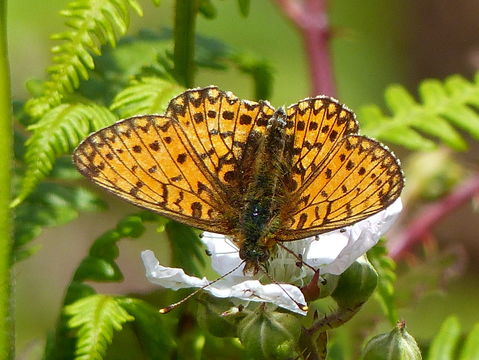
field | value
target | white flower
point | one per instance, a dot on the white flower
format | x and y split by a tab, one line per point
331	253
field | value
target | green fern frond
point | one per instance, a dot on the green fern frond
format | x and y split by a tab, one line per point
49	205
148	95
444	108
95	317
56	134
92	24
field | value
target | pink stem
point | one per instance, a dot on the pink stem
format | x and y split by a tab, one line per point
430	216
310	18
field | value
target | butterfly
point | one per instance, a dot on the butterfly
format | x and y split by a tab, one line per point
243	169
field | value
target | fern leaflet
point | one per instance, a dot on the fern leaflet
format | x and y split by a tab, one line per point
444	107
95	317
56	134
92	24
147	95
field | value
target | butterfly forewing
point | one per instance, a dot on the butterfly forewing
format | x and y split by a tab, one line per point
317	125
217	125
146	161
358	178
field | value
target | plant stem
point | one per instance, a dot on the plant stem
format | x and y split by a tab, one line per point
184	35
430	216
334	320
6	155
310	18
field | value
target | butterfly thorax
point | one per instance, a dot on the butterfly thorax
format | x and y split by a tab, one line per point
264	195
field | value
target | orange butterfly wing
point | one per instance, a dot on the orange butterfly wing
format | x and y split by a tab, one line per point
177	165
341	177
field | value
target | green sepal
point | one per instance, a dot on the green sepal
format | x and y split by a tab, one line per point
218	316
270	335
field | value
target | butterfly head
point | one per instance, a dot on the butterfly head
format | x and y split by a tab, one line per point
254	255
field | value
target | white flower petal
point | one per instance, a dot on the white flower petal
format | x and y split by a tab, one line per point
284	295
335	251
171	278
224	254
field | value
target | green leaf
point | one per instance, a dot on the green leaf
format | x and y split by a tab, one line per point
149	327
92	23
186	247
244	6
207	9
470	351
148	95
50	205
95	318
98	269
443	108
211	53
385	292
444	343
100	264
56	134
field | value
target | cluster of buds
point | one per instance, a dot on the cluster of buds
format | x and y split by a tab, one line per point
268	315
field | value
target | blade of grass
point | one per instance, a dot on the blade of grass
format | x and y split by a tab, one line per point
6	154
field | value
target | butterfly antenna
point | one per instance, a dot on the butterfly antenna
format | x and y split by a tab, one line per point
297	256
301	306
167	309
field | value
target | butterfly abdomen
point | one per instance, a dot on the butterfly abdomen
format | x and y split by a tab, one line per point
265	194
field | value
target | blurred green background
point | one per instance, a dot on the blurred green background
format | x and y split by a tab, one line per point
375	43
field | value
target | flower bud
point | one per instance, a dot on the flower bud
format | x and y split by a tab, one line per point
270	335
356	284
396	345
218	317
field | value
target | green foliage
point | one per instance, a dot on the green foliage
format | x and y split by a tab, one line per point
470	350
444	107
211	53
207	9
449	343
444	344
147	95
385	267
49	205
244	6
149	327
186	247
100	263
92	24
56	134
95	317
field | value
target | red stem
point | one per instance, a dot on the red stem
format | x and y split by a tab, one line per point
309	16
430	216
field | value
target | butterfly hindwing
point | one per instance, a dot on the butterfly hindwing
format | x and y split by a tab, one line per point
358	178
317	125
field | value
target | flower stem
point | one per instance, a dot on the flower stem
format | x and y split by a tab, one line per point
430	216
335	319
184	35
310	18
6	155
